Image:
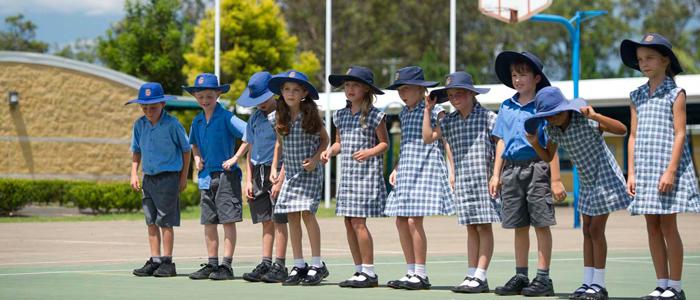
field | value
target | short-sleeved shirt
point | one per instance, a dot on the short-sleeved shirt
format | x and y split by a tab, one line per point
216	141
261	136
161	145
510	128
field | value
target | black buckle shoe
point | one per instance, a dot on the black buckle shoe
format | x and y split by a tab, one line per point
396	284
296	275
223	272
204	272
658	289
277	274
321	273
514	286
148	268
368	282
676	295
348	282
165	270
578	292
539	287
600	293
422	284
257	273
483	287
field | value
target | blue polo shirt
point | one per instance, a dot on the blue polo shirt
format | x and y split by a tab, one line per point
261	135
510	127
161	145
216	141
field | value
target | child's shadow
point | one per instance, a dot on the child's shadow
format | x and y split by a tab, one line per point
566	296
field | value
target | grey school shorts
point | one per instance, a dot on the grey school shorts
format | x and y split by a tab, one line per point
262	206
221	203
526	194
161	199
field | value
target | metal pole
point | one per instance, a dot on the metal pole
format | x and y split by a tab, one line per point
453	36
327	185
217	38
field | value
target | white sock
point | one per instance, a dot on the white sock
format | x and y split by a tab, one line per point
299	263
655	293
676	285
369	270
411	269
420	271
480	273
358	268
668	294
599	277
466	282
470	271
316	261
662	283
588	275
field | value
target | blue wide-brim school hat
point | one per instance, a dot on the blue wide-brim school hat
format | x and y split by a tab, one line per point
206	81
506	58
276	82
356	73
628	51
457	80
149	93
550	101
412	75
256	92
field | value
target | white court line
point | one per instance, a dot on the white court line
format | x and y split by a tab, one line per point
616	259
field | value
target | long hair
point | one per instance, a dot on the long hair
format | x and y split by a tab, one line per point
310	119
366	105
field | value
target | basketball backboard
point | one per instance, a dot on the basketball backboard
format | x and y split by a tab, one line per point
512	11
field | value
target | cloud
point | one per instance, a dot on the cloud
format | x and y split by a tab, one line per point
87	7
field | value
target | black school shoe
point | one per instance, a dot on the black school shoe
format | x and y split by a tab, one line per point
422	284
148	268
257	273
315	279
299	275
396	284
348	282
369	281
277	274
514	286
223	272
165	270
600	293
676	295
483	287
578	292
204	272
539	287
650	297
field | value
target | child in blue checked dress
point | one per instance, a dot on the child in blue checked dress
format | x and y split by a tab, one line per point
578	129
301	139
421	185
362	137
467	131
661	176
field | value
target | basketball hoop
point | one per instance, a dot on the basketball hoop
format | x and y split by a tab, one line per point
512	11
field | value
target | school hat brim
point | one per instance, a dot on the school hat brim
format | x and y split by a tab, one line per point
276	83
246	100
628	53
338	80
423	83
151	101
224	88
441	93
505	59
533	122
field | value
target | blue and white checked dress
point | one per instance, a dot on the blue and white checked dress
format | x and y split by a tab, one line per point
361	191
301	190
602	186
422	187
473	152
652	154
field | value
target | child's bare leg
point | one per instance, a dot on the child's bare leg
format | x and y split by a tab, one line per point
657	246
281	237
405	239
154	240
522	246
544	247
472	246
295	234
674	246
364	240
352	242
168	240
229	239
600	244
420	242
588	260
268	238
485	245
314	232
211	238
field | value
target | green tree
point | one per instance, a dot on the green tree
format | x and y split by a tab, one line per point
253	38
20	36
82	50
148	43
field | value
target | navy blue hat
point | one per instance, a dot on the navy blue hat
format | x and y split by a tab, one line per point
206	81
356	73
457	80
276	82
550	101
256	92
628	51
506	58
410	76
149	93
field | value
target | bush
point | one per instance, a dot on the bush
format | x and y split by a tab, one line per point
12	195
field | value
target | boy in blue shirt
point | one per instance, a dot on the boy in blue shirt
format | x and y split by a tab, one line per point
159	142
213	137
529	184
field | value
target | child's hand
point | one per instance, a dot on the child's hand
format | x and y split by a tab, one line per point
631	185
494	186
588	112
273	176
361	155
392	178
275	191
558	191
430	103
135	185
666	181
325	156
309	164
183	183
229	163
531	138
249	190
199	163
452	182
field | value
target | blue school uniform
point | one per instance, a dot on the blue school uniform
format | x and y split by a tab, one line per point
509	127
261	135
161	145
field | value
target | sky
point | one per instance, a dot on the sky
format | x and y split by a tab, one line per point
61	22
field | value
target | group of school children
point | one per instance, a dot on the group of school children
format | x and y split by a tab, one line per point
487	167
